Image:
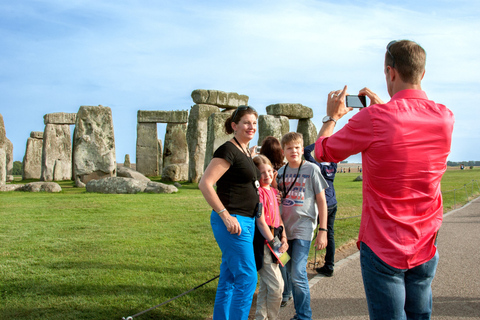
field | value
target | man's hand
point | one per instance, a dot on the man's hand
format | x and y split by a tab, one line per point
374	99
336	104
321	240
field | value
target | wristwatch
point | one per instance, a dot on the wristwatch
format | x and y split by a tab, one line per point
328	118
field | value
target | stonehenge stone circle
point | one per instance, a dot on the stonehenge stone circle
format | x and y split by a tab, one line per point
275	126
56	153
3	152
120	185
32	161
307	128
175	172
216	135
197	129
290	110
32	187
9	159
147	141
59	118
175	152
127	172
94	145
227	100
126	162
147	149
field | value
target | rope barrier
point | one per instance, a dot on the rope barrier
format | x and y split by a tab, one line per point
170	300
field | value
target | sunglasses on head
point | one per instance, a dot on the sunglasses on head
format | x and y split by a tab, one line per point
388	50
241	108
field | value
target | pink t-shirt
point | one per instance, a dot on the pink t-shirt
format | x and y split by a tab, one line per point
270	206
404	145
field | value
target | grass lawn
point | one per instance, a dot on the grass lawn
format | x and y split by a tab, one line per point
77	255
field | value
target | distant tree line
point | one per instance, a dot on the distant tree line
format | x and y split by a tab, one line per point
17	168
465	163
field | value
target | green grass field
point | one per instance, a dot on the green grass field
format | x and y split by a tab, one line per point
77	255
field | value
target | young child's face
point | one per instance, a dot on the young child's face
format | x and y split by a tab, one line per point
267	174
293	151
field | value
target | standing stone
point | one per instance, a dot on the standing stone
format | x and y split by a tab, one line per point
176	149
275	126
160	155
147	149
9	159
216	135
307	128
126	163
3	153
94	145
197	139
32	161
56	153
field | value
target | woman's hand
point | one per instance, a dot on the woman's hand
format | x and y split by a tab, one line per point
232	224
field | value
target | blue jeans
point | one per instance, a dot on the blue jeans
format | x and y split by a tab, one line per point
330	250
238	273
296	271
397	293
287	284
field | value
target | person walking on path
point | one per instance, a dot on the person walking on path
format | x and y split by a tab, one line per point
328	170
404	144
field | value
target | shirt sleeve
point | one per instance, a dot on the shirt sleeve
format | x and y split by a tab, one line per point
225	152
353	138
319	182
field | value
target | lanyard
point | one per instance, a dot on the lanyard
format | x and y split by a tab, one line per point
250	160
284	196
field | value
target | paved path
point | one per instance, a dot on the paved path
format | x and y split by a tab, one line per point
456	287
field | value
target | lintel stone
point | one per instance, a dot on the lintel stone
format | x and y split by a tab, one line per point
290	110
162	116
59	118
36	134
227	100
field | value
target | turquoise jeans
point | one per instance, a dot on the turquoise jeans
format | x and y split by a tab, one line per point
238	273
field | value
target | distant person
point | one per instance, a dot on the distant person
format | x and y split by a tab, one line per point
269	226
328	170
234	204
303	202
404	144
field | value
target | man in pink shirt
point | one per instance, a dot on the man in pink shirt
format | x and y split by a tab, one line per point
404	144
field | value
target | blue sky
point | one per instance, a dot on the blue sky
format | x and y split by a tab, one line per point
150	55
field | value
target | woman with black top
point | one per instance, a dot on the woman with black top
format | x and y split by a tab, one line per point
234	206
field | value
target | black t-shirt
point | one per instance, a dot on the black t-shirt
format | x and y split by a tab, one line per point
236	187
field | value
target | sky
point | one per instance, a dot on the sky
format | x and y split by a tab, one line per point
57	55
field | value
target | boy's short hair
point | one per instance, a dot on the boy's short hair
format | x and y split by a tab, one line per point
292	137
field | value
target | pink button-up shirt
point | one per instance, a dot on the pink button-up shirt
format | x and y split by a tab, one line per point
404	145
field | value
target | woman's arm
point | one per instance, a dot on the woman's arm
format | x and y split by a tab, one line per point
215	170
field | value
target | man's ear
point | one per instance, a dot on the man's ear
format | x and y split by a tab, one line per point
423	75
392	73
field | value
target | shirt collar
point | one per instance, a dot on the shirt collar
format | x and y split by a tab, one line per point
410	94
